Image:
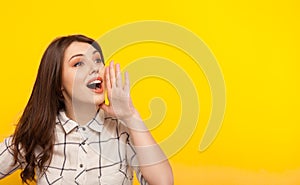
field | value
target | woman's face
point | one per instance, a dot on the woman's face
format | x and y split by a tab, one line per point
82	75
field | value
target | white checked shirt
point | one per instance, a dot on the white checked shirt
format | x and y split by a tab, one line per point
99	152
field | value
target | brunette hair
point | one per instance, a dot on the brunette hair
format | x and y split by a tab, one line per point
36	127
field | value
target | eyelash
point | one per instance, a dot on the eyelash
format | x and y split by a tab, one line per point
78	64
98	60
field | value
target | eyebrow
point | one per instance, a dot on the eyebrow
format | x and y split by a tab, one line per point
80	55
96	51
77	55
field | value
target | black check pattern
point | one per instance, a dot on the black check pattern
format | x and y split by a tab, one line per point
99	152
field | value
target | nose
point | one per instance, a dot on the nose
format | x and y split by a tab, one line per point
94	68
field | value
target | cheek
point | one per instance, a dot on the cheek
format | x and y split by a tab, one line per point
78	79
102	74
67	80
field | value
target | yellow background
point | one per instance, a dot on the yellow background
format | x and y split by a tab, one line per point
255	42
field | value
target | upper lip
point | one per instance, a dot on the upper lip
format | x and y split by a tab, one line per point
95	78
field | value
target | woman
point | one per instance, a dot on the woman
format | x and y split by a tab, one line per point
68	135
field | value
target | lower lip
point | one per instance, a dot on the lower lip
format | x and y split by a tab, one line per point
98	90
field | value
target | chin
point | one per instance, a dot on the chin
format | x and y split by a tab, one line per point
99	100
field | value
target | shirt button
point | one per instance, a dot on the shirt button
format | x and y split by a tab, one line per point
81	165
83	143
83	128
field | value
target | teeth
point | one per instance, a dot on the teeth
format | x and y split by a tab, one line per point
95	82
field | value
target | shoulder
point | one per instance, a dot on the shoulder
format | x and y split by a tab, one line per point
7	143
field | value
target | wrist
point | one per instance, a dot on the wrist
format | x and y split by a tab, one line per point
132	117
134	123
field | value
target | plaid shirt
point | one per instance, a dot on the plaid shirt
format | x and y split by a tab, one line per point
99	152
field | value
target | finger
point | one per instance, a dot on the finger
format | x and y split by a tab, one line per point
118	76
105	107
112	74
127	83
107	79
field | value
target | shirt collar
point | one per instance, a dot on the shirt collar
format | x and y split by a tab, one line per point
68	125
97	122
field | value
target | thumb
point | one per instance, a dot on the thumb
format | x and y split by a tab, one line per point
104	107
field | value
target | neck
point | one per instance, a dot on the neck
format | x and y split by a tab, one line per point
80	112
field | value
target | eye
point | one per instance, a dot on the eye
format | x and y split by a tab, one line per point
77	64
98	60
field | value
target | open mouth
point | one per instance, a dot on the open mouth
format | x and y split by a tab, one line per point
96	85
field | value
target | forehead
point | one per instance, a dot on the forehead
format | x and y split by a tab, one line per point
78	48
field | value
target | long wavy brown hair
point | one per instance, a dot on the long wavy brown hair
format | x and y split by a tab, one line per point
36	127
